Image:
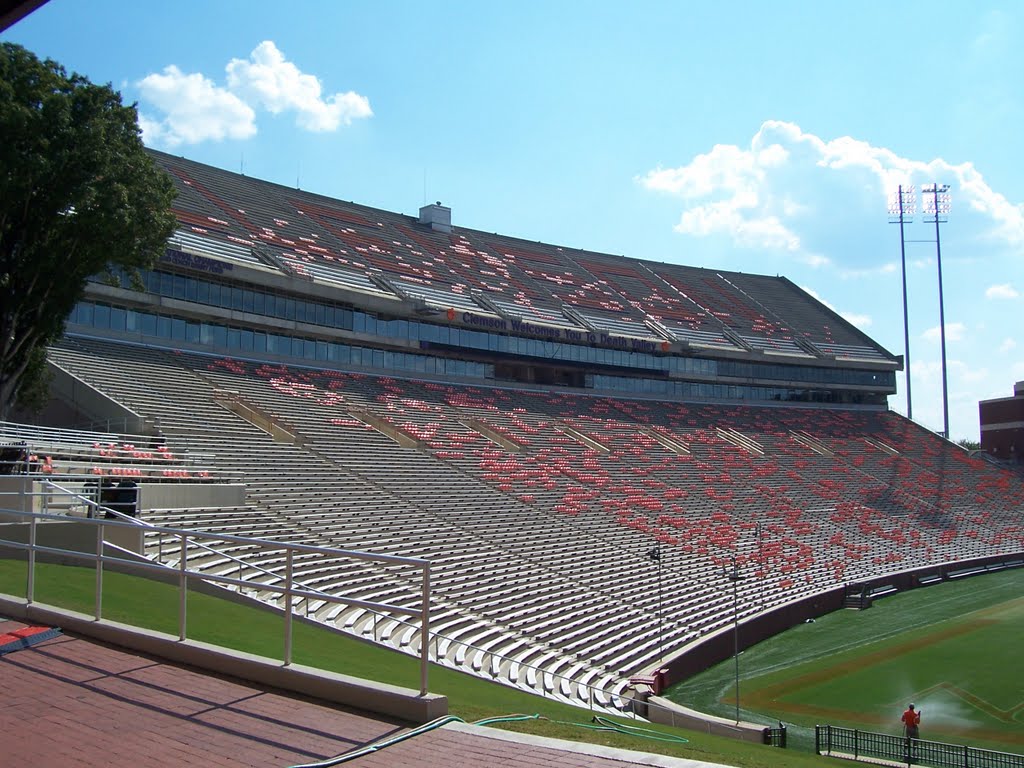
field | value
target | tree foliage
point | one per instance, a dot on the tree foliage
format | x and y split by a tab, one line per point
78	197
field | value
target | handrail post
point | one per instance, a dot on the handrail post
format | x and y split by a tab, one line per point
182	588
288	608
99	572
30	587
425	630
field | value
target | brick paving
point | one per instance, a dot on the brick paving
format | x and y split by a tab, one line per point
75	702
70	701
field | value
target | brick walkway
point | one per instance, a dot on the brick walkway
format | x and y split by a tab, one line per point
74	702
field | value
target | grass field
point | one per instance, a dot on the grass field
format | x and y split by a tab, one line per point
953	649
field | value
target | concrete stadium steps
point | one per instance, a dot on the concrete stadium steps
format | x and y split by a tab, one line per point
215	442
522	568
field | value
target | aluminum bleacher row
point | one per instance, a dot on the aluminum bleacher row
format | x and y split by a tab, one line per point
389	255
74	454
539	509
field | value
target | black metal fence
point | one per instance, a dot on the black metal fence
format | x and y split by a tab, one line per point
829	739
775	737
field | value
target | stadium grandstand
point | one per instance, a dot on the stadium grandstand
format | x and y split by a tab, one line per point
609	462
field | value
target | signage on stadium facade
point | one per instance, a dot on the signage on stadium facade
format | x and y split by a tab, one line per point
195	261
557	333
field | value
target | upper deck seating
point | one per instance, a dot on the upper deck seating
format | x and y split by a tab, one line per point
392	255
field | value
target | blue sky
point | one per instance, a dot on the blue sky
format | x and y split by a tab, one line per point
761	137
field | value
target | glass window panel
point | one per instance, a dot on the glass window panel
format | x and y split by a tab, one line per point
119	318
179	287
86	312
163	327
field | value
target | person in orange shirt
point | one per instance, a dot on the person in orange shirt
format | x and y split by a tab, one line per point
911	727
911	722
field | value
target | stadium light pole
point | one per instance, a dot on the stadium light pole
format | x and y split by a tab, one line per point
655	556
936	203
901	209
733	574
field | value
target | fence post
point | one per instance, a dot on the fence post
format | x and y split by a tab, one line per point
99	572
288	608
30	587
182	588
425	630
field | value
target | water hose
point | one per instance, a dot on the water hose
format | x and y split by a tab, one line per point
371	748
599	724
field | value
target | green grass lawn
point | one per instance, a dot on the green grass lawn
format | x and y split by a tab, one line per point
152	605
952	649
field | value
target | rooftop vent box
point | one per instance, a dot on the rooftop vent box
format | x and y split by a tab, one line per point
1018	388
438	216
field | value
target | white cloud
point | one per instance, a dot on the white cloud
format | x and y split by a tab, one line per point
1008	345
1001	291
738	177
861	321
772	193
954	332
194	108
968	374
816	260
888	268
277	85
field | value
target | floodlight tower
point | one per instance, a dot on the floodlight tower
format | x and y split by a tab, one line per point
935	206
733	574
902	207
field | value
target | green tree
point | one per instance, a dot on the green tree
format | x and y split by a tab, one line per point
78	197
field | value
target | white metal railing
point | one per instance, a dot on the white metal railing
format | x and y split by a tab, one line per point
607	697
88	446
290	590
